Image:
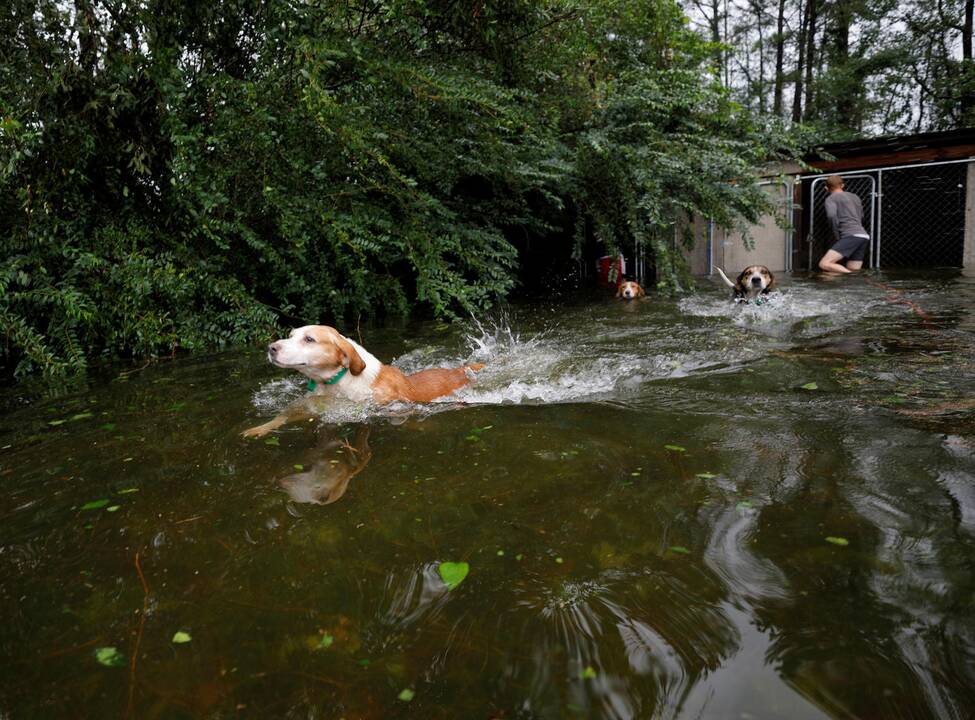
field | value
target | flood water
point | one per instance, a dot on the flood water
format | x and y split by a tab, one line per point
669	509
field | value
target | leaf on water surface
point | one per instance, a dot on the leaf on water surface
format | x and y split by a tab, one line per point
589	673
706	476
112	508
364	662
95	504
500	553
83	416
109	657
810	386
680	549
57	422
676	448
472	438
634	474
406	695
299	467
325	642
841	541
453	573
127	491
272	441
108	427
519	556
744	505
182	637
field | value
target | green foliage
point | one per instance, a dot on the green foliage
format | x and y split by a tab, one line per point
192	176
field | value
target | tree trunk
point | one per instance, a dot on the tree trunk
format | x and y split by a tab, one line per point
812	15
800	64
779	60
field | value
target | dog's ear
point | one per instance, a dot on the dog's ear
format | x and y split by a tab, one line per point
351	358
739	283
771	282
640	292
619	290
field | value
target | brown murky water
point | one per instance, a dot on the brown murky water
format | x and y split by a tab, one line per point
668	509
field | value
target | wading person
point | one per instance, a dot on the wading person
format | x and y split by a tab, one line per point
845	213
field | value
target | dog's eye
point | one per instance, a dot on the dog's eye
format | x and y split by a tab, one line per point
309	338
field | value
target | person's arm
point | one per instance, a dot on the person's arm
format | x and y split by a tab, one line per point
834	221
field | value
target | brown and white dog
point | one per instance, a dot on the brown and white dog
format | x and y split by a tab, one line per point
340	367
752	283
630	290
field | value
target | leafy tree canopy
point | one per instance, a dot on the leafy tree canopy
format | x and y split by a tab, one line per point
190	175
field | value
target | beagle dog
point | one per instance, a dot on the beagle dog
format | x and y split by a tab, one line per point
338	366
630	290
752	284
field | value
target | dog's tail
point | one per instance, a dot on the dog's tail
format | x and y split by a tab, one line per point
724	277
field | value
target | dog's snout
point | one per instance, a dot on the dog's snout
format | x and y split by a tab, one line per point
272	349
756	280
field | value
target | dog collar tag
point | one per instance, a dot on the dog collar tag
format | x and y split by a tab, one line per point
331	381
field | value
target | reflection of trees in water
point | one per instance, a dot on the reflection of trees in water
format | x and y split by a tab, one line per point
879	627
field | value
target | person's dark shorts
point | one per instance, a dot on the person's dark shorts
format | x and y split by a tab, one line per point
851	247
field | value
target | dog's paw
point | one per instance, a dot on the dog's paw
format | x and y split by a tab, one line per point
255	432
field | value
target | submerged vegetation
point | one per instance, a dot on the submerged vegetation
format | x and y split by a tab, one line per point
189	175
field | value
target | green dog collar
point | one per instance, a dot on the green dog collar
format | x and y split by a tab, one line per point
331	381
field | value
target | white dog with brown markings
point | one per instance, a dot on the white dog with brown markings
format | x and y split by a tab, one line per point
630	290
338	366
752	284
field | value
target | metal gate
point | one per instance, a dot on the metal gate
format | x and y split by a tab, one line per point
820	232
915	214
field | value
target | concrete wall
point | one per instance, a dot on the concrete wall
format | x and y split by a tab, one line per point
728	249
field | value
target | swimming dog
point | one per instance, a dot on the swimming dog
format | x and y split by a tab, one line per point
338	366
752	283
629	290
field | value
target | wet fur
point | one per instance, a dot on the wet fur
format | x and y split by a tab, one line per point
742	288
630	290
321	353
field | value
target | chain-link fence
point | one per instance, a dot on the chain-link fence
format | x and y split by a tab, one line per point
915	215
821	233
923	216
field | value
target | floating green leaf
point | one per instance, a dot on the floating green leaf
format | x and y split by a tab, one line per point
472	438
108	427
679	549
127	491
299	467
453	573
109	657
744	505
500	553
841	541
272	441
57	422
706	475
589	673
95	504
112	508
676	448
181	637
326	642
83	416
406	695
810	386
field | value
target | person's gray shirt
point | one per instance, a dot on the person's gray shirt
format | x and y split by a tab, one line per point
845	213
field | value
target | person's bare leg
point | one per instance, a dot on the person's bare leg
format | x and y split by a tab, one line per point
854	264
830	262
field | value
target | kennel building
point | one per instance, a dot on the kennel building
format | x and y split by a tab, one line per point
918	194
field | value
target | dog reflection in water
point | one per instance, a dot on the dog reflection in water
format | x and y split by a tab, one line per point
338	461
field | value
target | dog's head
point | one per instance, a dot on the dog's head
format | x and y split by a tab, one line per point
317	351
754	280
629	290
